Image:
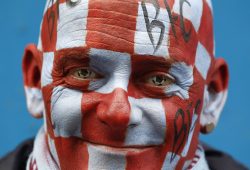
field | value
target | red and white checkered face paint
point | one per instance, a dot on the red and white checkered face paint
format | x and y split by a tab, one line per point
123	83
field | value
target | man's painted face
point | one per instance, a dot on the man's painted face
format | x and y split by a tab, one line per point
123	81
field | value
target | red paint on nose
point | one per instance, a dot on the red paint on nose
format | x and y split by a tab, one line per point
114	109
105	117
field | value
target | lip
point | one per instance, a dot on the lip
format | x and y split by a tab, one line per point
121	148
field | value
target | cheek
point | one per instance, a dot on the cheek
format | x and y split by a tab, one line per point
182	125
148	122
63	111
66	112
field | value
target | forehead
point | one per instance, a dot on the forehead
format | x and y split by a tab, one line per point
162	28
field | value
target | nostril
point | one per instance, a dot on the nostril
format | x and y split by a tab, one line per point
114	116
135	117
132	126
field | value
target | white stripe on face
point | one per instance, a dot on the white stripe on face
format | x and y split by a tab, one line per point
169	163
46	77
53	151
71	29
66	112
148	122
192	10
184	78
41	153
190	136
101	158
202	60
144	30
39	44
114	66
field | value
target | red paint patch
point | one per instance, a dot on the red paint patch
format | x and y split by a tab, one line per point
111	25
47	93
49	26
151	159
72	153
206	32
49	29
33	164
105	117
183	41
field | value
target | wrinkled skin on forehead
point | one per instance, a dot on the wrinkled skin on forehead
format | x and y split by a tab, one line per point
124	84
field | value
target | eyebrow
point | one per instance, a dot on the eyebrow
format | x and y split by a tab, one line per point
70	57
74	53
152	61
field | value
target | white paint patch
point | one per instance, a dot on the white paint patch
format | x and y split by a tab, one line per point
114	66
204	114
202	60
147	122
53	151
34	101
104	159
190	136
170	164
143	44
41	153
45	121
71	29
201	163
192	12
66	112
39	44
46	77
186	165
184	78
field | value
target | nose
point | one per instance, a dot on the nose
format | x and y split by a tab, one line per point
114	109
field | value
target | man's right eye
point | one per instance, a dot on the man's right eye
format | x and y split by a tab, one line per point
83	74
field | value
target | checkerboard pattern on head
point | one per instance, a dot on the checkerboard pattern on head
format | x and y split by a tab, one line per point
114	35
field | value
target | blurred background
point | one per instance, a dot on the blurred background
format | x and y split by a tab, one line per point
20	21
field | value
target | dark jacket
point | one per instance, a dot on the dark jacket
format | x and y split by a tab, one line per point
17	159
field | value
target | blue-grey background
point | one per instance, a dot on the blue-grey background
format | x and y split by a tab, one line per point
20	21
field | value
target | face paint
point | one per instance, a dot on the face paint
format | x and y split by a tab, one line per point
123	83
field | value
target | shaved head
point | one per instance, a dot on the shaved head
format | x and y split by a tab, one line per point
125	84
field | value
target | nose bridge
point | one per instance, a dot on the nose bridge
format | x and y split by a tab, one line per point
114	109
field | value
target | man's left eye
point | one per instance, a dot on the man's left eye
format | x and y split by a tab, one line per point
160	80
83	74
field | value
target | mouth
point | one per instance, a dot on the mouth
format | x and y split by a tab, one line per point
131	148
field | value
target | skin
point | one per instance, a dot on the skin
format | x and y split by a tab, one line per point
106	97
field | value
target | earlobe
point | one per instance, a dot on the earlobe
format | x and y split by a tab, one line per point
32	65
215	95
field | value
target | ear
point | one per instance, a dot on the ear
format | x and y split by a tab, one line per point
215	95
32	66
